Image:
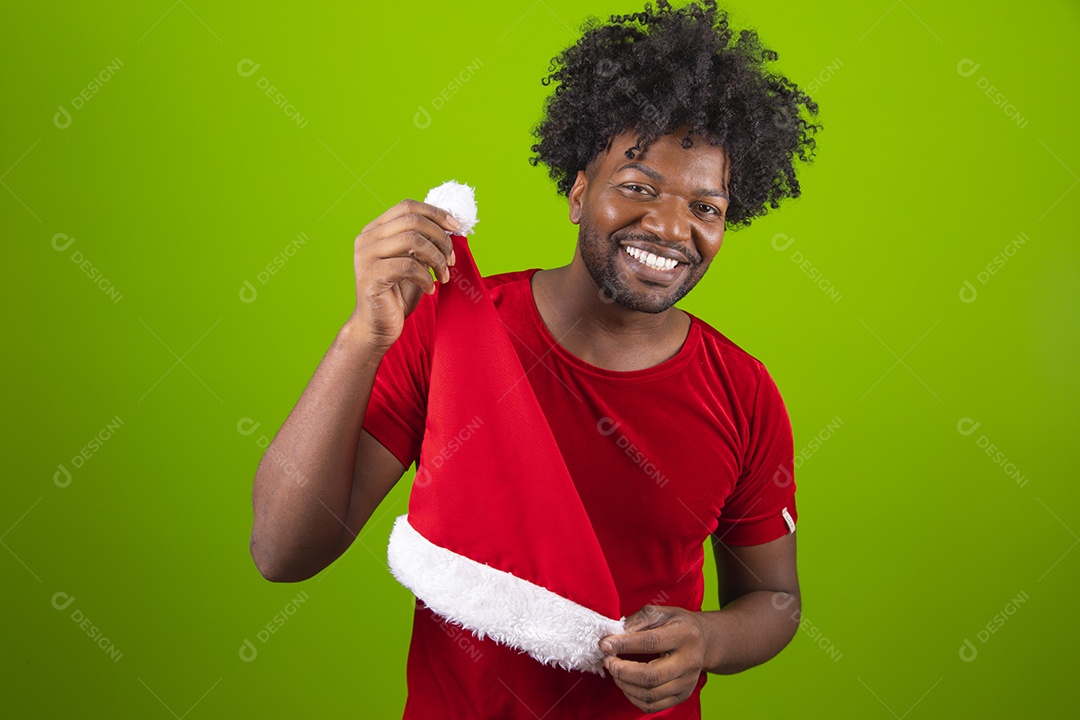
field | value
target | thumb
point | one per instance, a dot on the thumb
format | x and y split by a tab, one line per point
647	617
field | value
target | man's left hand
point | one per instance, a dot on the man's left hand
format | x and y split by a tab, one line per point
678	636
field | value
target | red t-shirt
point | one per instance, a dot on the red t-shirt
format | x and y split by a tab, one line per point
662	458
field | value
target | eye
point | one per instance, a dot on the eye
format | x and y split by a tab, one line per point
636	189
706	209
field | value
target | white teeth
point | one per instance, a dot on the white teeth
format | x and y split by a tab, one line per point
654	261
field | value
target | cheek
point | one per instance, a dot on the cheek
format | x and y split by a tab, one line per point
616	211
712	245
607	217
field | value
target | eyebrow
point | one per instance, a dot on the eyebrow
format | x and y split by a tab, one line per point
657	177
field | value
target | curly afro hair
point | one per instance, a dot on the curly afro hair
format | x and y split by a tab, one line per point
653	72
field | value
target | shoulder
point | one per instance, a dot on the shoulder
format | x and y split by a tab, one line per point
720	346
739	378
510	290
734	372
508	280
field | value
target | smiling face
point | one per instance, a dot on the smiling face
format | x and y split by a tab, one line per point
650	226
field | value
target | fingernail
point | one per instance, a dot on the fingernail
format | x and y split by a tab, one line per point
452	222
453	257
605	646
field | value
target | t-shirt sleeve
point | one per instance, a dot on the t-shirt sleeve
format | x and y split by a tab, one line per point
761	508
397	410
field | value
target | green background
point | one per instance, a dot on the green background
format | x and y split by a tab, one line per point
180	181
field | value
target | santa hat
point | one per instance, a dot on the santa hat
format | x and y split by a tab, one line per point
497	539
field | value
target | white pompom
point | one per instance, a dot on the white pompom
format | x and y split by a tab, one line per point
458	200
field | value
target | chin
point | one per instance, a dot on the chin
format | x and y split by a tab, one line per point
620	287
612	292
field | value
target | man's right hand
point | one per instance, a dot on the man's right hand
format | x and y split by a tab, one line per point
393	259
323	475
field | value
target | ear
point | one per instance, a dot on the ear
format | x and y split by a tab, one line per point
581	183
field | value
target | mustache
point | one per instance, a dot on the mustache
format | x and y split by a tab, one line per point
689	253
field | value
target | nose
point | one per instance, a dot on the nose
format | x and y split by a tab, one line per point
668	218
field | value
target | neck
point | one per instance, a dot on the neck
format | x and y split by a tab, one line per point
601	332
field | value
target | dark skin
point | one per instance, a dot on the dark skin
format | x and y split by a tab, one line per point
669	201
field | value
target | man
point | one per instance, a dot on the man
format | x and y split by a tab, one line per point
665	128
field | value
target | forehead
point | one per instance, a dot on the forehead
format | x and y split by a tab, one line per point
701	163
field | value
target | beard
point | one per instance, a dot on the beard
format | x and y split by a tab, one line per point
601	258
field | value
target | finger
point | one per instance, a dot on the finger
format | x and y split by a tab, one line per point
413	236
414	244
647	675
391	271
437	215
658	698
410	295
415	207
644	642
426	228
648	616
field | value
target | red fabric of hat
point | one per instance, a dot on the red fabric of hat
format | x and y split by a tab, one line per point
496	538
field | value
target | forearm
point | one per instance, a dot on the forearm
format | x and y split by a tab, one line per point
303	484
750	630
